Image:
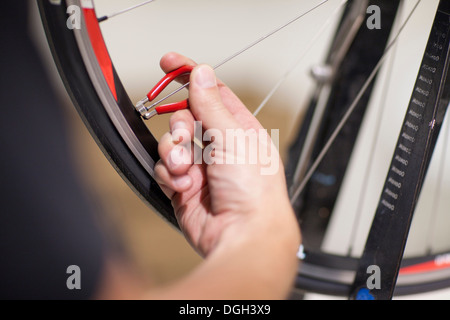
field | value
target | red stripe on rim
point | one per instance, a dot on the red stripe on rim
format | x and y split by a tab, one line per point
99	46
424	267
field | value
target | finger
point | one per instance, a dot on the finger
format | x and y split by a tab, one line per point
176	156
182	122
185	129
198	175
206	103
169	183
238	109
172	61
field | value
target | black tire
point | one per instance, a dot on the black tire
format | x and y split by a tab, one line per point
85	97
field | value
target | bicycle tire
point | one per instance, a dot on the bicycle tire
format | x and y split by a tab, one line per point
86	99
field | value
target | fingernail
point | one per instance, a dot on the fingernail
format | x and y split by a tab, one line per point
182	182
179	125
205	77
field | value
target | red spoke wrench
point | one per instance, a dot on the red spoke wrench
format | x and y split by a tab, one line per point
155	109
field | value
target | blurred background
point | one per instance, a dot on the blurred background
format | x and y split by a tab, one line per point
216	30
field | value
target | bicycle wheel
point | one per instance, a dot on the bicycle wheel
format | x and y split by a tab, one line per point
324	193
91	77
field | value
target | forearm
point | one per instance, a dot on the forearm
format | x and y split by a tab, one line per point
262	266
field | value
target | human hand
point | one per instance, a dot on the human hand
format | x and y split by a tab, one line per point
227	196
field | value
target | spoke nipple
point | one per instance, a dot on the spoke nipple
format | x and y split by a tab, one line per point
140	106
301	253
149	115
322	73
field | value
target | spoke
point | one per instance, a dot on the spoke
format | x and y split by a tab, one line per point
325	73
246	48
238	53
112	15
298	190
302	56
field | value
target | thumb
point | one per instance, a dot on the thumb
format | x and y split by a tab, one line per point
205	100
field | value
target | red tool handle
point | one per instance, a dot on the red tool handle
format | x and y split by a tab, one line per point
172	107
171	76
